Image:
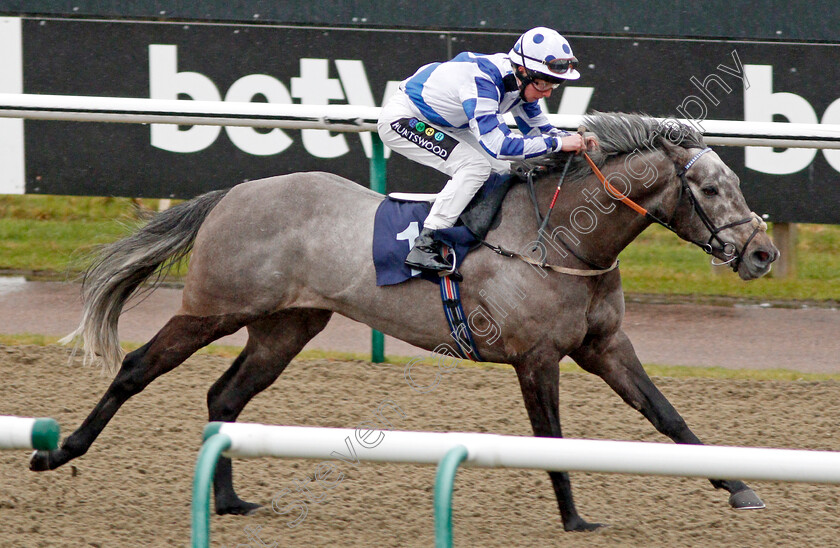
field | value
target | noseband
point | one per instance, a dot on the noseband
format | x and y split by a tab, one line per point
715	242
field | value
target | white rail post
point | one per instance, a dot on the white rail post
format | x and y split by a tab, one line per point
28	433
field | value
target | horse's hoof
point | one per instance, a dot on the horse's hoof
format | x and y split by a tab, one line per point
39	461
240	508
580	525
745	499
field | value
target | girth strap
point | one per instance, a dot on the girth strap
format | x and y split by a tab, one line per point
450	295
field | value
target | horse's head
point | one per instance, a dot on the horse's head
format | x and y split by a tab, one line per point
710	211
677	181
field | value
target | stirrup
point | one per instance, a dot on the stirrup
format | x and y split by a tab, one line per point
452	272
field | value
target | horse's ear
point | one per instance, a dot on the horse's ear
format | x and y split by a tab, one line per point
676	153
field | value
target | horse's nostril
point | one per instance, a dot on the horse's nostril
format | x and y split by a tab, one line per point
761	257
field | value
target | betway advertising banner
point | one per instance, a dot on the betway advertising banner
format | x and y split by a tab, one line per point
698	80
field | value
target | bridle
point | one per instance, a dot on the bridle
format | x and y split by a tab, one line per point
727	249
715	243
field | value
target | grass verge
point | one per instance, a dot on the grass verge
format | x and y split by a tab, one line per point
49	235
659	263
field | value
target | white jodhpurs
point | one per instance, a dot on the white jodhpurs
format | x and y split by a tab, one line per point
466	162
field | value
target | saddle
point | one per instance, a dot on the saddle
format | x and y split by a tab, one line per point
400	217
480	214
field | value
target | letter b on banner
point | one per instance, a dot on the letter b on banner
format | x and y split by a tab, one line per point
165	82
760	104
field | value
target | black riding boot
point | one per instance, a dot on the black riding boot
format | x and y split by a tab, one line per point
426	253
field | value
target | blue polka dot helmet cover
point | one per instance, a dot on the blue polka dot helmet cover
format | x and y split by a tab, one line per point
545	51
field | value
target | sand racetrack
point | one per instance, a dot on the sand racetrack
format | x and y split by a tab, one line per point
133	487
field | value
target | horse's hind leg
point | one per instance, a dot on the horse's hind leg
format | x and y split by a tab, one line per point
173	344
613	359
272	343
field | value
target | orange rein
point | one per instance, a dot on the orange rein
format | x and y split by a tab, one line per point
614	191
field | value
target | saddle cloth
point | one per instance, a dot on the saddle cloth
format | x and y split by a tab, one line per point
395	227
399	220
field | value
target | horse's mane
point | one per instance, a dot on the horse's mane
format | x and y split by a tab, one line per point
620	133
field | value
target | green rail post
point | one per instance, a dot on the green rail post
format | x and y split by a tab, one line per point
205	468
377	346
444	485
377	184
45	434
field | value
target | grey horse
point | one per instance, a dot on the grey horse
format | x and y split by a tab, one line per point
271	256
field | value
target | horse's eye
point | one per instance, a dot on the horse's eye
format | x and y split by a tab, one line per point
709	191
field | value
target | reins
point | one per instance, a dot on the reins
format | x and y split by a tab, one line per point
544	221
728	249
616	194
595	270
626	199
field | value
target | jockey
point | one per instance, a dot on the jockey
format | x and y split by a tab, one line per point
449	116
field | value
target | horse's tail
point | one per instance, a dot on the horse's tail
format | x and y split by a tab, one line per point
119	268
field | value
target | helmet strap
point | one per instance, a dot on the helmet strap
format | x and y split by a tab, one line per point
524	80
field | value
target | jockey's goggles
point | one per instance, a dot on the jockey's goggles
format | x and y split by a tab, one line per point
557	66
543	86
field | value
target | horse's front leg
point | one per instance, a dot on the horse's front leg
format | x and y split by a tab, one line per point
540	384
613	359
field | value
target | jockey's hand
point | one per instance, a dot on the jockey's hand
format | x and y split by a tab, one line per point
576	143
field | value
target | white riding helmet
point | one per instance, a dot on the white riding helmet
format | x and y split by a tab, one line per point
543	50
